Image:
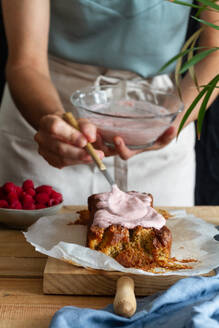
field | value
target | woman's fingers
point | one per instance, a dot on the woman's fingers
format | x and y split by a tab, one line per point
126	153
99	144
56	126
51	158
60	154
165	138
88	129
62	145
123	151
60	162
58	147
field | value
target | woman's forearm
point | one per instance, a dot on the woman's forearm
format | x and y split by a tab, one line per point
27	28
33	93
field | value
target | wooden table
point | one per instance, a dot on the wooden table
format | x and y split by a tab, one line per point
22	303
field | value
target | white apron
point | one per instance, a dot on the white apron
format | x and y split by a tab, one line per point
168	174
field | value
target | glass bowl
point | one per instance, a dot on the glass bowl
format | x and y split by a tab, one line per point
137	113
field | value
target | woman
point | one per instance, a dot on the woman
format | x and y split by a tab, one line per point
85	40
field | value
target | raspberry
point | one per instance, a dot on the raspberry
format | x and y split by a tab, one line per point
30	192
3	203
9	186
56	195
27	202
28	184
16	205
26	198
2	194
42	198
39	206
22	195
53	202
29	206
18	190
44	188
12	197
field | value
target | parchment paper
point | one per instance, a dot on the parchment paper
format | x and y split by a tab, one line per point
57	237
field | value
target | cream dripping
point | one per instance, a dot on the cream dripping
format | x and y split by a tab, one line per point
127	209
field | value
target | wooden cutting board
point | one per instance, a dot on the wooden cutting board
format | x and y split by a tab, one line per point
64	278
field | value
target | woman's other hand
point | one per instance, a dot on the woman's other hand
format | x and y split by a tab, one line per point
126	153
61	145
168	135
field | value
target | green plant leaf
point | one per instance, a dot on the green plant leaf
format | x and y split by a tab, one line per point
206	23
190	41
190	109
177	75
185	49
213	83
188	49
202	86
197	58
210	3
193	37
210	88
192	68
202	110
180	54
199	11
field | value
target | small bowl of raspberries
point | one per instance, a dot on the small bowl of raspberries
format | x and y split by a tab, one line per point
21	206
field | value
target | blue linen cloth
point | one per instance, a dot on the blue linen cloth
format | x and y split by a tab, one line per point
190	303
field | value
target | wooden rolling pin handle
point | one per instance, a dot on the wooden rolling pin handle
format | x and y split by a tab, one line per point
125	302
69	117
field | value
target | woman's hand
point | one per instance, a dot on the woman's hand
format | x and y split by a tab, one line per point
168	135
61	145
126	153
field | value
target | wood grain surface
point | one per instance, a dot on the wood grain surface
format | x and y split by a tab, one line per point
22	302
66	279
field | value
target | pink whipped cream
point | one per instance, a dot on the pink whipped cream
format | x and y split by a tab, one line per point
128	209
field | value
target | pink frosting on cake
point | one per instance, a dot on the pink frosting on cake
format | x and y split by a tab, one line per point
128	209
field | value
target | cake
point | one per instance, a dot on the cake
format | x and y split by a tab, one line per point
128	228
